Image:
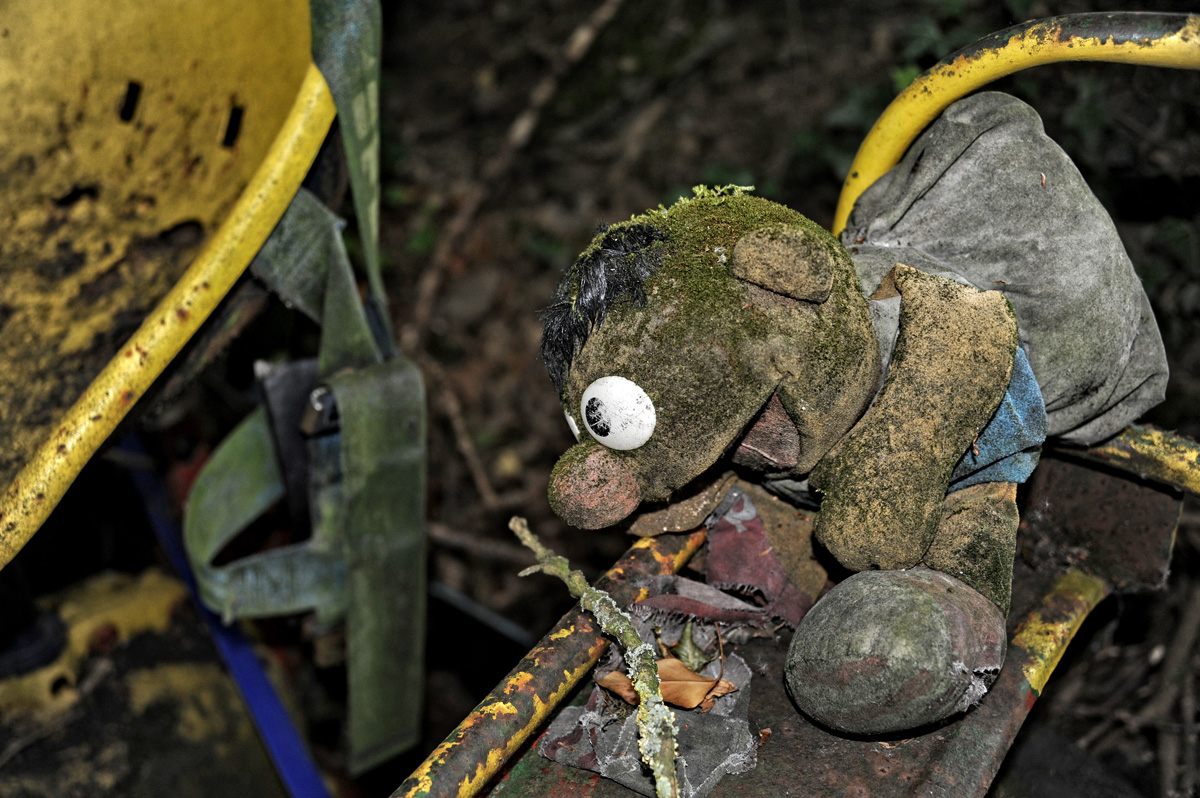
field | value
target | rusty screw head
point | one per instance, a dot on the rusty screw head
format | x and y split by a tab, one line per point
104	639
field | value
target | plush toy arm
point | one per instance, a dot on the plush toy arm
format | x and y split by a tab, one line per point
884	483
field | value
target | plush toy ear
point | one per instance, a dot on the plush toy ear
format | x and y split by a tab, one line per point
794	261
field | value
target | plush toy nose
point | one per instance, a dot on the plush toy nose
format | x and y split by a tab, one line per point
593	489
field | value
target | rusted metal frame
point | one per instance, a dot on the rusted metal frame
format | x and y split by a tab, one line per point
1150	453
473	753
977	744
1123	525
955	761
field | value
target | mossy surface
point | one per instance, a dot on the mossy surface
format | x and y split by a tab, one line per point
976	539
590	488
710	349
889	651
884	483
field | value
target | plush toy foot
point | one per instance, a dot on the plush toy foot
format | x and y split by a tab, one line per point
888	651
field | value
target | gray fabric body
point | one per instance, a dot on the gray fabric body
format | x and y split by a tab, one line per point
967	203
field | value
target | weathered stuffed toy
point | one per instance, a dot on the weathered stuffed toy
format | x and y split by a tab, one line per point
982	300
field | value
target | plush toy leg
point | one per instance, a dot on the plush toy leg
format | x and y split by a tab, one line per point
977	539
890	651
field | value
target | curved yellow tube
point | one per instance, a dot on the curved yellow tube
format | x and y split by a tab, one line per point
52	468
1044	634
1168	40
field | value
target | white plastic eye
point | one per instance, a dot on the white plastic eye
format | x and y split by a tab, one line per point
618	413
571	423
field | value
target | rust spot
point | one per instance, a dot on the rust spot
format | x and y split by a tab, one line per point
128	353
104	639
127	397
40	497
62	448
182	314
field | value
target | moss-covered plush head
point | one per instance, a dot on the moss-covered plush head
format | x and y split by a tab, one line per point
725	324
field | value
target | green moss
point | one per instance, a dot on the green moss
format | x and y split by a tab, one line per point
885	482
710	349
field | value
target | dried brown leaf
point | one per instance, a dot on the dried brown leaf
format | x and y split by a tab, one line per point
680	687
619	683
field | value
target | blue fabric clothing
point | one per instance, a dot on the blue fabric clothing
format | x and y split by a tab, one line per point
1008	447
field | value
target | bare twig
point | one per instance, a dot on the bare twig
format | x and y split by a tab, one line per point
519	133
443	535
448	403
1175	669
1168	762
1189	519
1191	736
656	723
1096	732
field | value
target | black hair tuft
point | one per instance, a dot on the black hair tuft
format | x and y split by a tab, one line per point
613	269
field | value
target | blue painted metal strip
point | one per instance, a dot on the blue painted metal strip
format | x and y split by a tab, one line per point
296	768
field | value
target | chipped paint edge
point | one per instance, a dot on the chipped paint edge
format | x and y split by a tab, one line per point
1047	631
436	776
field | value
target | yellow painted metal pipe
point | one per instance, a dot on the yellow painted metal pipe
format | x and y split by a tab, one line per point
39	486
1166	40
1150	453
1043	636
476	750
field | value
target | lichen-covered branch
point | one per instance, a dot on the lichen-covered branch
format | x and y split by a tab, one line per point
656	723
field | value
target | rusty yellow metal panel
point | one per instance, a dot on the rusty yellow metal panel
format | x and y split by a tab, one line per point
118	604
150	149
1153	39
109	716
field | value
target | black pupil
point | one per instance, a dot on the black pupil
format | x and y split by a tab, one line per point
596	418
